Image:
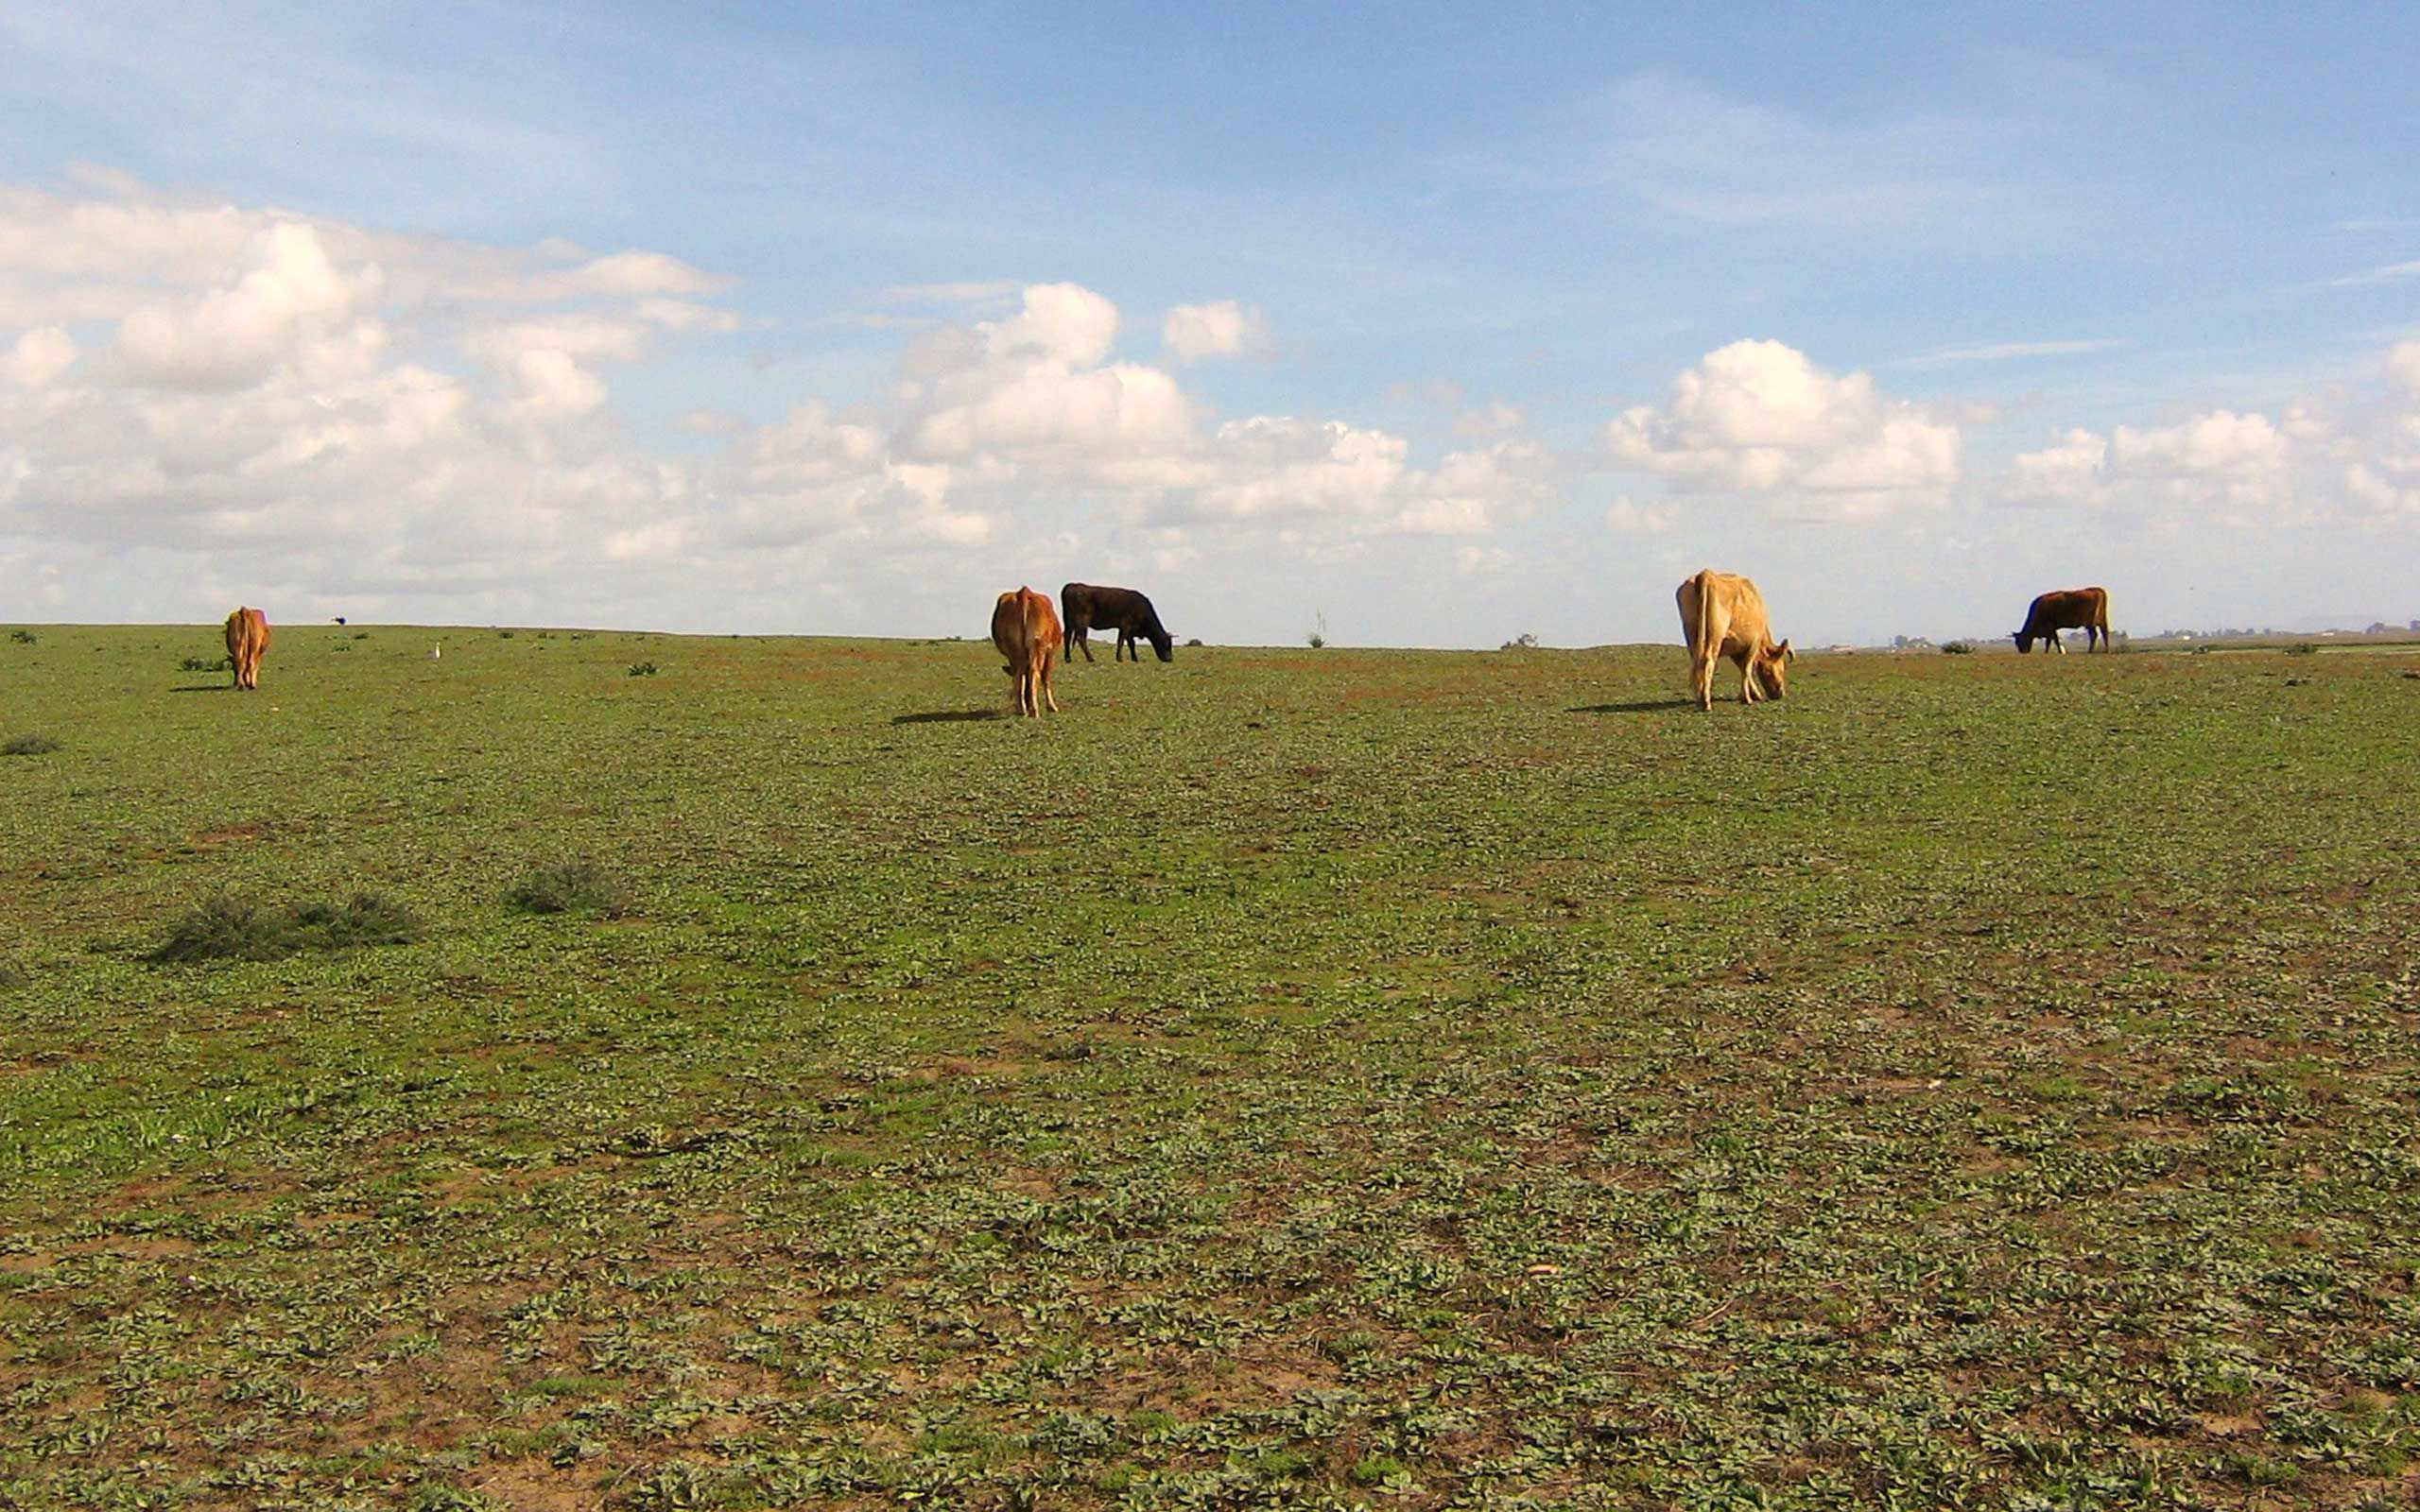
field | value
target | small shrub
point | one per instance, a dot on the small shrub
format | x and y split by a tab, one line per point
229	929
1958	648
1196	640
2302	648
504	635
24	637
1523	642
571	886
642	669
197	664
361	635
29	746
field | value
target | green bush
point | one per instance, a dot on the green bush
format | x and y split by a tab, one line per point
229	929
24	637
642	669
29	746
197	664
571	886
1958	648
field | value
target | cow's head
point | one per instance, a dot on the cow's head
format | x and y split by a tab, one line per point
1773	665
2024	641
1164	645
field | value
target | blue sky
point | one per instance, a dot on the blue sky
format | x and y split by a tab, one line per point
1447	323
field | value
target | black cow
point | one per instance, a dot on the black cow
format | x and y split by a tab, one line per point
2074	609
1086	607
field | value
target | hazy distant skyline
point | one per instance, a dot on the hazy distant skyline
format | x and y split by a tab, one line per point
1446	324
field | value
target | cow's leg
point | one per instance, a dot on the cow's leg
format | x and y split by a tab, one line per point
1701	679
1084	640
1047	696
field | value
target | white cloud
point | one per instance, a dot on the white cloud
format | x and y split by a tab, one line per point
2391	273
971	292
1627	517
1496	418
2221	443
2403	366
1759	419
40	356
1195	333
293	306
2014	351
2327	461
2068	473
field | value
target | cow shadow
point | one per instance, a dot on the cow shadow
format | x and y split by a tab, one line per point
947	716
1636	706
205	687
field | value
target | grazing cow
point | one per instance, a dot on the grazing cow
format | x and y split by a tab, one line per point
247	638
1723	614
1026	629
2074	609
1122	610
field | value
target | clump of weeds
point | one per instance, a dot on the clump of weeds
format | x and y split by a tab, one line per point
581	887
232	929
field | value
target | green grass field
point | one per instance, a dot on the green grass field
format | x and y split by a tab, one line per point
1285	1078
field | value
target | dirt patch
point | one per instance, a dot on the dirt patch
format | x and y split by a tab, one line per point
534	1484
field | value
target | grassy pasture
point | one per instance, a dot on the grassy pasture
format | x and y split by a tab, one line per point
1284	1079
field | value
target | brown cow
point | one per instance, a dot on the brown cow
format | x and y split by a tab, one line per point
1026	628
247	638
1723	614
2073	609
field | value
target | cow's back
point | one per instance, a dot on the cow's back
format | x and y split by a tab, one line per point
1042	629
1720	612
1008	629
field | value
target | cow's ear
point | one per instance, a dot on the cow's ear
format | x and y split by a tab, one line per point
1784	652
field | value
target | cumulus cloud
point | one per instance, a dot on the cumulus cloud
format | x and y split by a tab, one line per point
364	419
290	306
40	356
2330	459
2221	443
1759	419
1195	333
2403	366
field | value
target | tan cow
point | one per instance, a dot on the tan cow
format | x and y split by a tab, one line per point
247	639
1723	614
1026	628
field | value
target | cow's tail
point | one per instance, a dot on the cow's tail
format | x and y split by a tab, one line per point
1703	639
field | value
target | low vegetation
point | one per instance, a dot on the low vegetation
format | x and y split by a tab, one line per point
230	929
571	886
28	746
1425	1080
